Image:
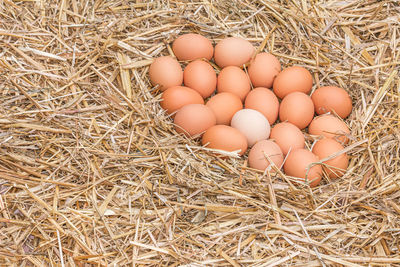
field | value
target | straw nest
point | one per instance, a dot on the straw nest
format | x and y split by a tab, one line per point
92	172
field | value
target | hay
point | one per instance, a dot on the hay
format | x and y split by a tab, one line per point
92	172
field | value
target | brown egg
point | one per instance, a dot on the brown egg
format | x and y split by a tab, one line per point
288	136
257	155
252	124
233	51
194	119
225	138
337	166
165	71
299	163
224	105
233	80
264	101
332	99
329	126
178	96
192	46
292	79
297	108
200	76
263	69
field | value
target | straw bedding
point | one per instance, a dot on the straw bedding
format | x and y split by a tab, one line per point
92	172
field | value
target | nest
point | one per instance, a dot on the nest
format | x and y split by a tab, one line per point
92	172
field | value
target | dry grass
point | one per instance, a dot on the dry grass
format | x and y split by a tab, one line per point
93	174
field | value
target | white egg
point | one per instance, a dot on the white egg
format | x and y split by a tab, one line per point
252	124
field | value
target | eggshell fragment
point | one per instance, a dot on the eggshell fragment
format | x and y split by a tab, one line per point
300	163
233	51
288	136
234	80
178	96
292	79
336	166
264	101
226	138
257	155
297	108
263	69
165	71
252	124
332	99
329	126
224	105
192	46
194	119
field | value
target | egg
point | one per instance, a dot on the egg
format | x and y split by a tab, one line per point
263	69
224	105
329	126
292	79
264	101
200	76
336	166
262	149
300	163
297	108
194	119
233	51
288	136
252	124
225	138
234	80
165	71
178	96
192	46
332	99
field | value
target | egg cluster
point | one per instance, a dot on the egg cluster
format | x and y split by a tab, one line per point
243	112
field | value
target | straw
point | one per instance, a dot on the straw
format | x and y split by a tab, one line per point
93	173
